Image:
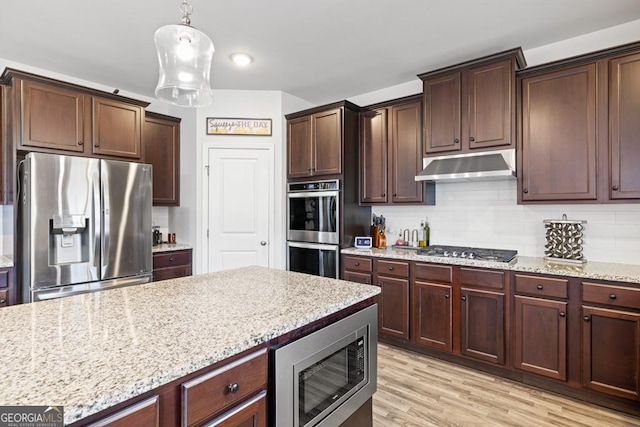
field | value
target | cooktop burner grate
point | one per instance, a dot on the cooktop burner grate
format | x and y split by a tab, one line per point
481	254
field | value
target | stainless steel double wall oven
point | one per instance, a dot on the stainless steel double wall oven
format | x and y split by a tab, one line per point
313	227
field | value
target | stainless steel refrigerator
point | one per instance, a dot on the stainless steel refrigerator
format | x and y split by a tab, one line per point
83	225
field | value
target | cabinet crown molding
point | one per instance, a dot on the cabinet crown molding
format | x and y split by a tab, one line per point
9	73
516	53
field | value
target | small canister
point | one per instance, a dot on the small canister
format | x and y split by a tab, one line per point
172	237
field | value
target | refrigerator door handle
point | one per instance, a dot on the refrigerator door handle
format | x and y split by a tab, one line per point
106	206
97	222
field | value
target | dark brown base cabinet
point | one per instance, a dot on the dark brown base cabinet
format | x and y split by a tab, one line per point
393	301
7	291
432	315
541	337
611	339
558	333
482	325
172	264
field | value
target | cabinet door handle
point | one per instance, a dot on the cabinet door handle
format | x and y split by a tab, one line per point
587	318
525	191
456	141
97	144
539	287
612	296
313	169
562	314
384	194
464	298
80	143
3	301
472	139
614	188
233	388
446	296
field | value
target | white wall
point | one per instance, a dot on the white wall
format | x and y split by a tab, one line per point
486	214
245	104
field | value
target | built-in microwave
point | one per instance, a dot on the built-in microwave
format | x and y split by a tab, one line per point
324	377
313	211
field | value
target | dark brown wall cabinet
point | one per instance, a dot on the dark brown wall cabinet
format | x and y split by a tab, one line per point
559	135
162	150
624	110
579	127
471	105
391	153
316	138
59	117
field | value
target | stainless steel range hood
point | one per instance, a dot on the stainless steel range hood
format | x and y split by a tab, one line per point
486	165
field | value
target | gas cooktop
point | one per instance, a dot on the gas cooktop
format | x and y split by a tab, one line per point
481	254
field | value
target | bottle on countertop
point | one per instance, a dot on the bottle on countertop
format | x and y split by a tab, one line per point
382	239
425	232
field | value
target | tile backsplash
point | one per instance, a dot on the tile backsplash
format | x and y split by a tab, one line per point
486	214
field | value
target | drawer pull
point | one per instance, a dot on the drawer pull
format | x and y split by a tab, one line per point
562	314
3	301
171	259
586	318
612	296
390	268
539	287
233	388
357	264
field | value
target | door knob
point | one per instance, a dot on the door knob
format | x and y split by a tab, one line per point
263	243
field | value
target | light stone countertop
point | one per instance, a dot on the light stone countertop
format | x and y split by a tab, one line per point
590	270
91	351
168	247
5	261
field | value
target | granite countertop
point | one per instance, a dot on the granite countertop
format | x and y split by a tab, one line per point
590	270
5	261
91	351
168	247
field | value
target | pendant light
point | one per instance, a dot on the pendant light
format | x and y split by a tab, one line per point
184	54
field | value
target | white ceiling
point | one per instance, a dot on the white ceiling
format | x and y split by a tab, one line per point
321	50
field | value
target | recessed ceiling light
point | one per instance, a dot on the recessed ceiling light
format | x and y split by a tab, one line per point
241	59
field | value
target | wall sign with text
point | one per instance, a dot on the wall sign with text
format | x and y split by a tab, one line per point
233	126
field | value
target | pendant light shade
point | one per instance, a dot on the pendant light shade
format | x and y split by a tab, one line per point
184	54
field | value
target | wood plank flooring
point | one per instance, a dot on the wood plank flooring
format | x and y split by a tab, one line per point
419	391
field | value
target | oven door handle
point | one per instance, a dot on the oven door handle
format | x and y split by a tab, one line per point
321	246
314	194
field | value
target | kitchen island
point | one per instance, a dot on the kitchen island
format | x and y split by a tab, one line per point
95	351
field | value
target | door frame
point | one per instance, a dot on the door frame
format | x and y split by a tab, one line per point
230	144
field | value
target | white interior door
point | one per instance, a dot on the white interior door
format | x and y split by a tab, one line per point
238	208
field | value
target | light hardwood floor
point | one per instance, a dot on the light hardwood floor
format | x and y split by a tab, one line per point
420	391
